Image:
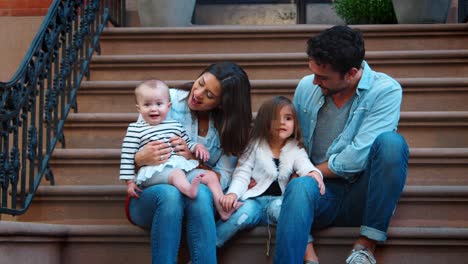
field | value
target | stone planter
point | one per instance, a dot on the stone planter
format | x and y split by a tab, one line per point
166	13
421	11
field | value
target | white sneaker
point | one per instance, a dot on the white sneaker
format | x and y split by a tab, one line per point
360	256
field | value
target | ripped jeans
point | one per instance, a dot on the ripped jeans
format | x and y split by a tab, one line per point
258	211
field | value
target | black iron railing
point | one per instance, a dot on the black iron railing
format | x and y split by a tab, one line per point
35	103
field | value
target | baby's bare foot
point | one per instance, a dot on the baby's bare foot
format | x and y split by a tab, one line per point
225	215
192	193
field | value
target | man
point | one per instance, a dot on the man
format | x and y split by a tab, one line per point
348	114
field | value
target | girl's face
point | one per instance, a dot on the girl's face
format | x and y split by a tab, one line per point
283	128
205	94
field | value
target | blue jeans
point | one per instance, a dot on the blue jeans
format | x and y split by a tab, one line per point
161	209
369	201
258	211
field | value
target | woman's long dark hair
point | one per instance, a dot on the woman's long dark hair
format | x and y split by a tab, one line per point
234	116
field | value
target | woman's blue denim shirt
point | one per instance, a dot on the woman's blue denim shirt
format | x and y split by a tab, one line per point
375	110
219	162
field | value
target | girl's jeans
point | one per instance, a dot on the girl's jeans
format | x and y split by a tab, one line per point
258	211
161	209
369	201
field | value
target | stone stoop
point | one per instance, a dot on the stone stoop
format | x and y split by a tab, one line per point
82	218
419	206
269	39
436	129
400	64
419	94
28	243
428	166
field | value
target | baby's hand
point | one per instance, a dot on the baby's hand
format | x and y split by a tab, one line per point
202	153
319	180
132	189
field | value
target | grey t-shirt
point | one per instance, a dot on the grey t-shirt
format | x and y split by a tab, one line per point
330	122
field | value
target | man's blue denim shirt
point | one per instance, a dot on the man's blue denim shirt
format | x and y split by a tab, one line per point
375	110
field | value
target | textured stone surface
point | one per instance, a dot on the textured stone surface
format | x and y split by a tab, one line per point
278	14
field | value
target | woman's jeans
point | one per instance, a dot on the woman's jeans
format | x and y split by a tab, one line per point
258	211
161	209
369	201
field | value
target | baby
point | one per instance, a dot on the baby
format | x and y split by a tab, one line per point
153	103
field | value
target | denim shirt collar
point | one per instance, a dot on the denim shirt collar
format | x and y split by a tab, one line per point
182	96
365	82
363	85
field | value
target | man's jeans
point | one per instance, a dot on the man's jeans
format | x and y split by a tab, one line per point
161	209
369	201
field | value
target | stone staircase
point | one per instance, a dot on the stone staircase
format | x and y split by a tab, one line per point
82	217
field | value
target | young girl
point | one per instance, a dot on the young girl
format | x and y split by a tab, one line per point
153	103
274	153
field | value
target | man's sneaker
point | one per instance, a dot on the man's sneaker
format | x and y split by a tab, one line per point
361	256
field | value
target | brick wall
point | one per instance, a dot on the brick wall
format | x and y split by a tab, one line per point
24	7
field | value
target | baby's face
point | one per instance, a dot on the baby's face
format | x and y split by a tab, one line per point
153	105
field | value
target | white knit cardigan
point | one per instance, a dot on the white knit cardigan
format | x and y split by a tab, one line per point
258	164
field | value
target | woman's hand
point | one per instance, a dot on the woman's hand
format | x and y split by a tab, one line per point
228	201
153	153
180	147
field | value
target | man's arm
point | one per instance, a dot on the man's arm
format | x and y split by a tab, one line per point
326	172
381	116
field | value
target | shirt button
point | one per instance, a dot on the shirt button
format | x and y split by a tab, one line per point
305	111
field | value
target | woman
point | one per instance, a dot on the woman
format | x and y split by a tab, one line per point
216	112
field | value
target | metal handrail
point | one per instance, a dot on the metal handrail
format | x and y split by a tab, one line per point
35	103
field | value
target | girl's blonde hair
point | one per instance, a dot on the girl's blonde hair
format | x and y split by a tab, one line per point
268	112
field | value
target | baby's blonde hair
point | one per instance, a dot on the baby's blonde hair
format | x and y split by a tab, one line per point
154	84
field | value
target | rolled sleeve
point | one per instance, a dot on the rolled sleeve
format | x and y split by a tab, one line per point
382	116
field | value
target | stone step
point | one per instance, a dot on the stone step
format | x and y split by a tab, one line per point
424	63
419	94
419	206
421	129
251	39
427	166
118	244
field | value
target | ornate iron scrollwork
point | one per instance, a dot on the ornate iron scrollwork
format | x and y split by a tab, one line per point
35	103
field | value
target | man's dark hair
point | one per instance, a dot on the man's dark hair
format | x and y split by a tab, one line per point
340	46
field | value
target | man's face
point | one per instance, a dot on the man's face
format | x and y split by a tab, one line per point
330	81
